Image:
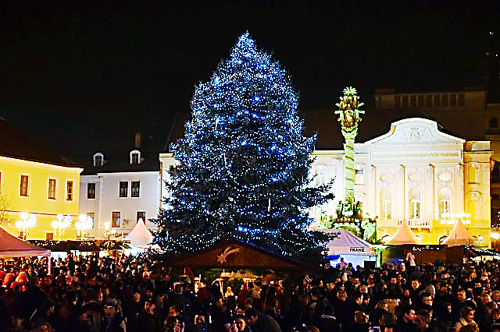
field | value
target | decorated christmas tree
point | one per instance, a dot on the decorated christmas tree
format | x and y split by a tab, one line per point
243	163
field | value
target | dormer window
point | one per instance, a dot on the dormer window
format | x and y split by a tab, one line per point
135	157
98	159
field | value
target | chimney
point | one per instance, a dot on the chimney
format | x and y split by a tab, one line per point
137	140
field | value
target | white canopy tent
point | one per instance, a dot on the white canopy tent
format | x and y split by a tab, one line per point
404	235
349	247
11	246
459	236
140	236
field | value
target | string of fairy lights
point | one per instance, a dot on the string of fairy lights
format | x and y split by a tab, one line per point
244	162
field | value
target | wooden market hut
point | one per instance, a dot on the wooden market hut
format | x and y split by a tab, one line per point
234	254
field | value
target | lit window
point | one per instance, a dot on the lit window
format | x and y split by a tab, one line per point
123	189
52	188
115	219
135	157
141	215
69	190
98	159
91	190
415	203
136	188
23	188
444	201
386	204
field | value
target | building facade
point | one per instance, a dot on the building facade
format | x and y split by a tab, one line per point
38	189
115	195
419	174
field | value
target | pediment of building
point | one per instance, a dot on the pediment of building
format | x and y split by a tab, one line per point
414	131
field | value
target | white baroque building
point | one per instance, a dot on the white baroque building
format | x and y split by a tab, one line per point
117	192
415	172
419	174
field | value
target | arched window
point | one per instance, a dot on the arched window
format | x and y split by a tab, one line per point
493	123
98	159
135	157
415	200
444	201
386	204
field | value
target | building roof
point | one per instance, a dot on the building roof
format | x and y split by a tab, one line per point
237	254
114	163
117	158
19	145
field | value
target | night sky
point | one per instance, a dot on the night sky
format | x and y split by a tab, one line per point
84	73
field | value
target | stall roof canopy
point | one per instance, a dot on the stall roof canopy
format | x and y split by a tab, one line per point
459	236
11	246
140	236
346	243
404	235
237	254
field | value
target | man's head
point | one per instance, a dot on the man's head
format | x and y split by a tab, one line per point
415	284
342	295
427	299
461	295
252	316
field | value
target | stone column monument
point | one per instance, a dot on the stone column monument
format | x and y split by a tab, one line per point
349	116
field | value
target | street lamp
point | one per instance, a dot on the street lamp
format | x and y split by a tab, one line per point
83	224
61	224
27	221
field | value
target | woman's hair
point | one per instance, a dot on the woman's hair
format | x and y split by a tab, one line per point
465	311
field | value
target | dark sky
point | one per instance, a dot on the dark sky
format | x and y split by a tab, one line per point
95	69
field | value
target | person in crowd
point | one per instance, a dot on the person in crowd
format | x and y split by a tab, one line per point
146	321
240	324
82	295
115	321
260	322
466	318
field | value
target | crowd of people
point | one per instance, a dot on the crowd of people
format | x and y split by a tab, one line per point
92	294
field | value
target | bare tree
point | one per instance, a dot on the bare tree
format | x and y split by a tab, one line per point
6	204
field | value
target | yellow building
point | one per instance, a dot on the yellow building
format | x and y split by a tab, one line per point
39	189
